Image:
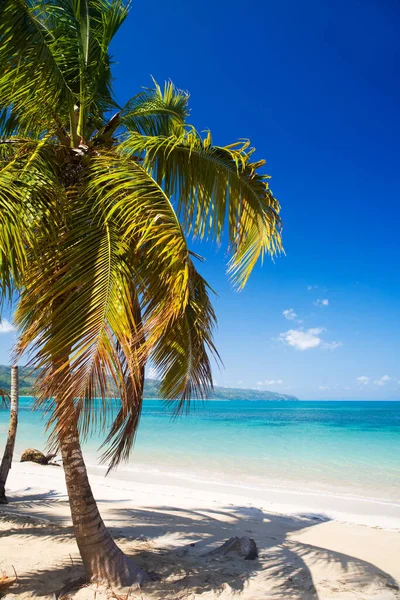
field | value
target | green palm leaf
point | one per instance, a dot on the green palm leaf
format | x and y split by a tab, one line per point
216	188
86	287
181	356
152	112
124	192
34	80
156	111
29	198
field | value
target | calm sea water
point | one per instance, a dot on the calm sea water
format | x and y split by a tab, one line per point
350	448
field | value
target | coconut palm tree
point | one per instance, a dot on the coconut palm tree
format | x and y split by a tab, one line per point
98	205
12	432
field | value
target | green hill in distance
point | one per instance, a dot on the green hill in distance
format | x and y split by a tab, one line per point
27	380
224	393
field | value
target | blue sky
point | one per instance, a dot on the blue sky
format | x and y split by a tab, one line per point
315	87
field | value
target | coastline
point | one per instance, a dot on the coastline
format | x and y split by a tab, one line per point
340	457
315	552
288	500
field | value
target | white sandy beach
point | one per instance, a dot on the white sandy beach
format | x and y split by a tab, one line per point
301	555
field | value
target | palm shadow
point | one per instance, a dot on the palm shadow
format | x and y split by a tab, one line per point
22	500
174	543
283	566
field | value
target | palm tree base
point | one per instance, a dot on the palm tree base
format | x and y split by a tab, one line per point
120	571
103	560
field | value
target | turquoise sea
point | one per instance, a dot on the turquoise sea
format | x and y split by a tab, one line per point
350	448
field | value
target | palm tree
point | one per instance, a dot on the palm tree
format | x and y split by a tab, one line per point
12	433
98	204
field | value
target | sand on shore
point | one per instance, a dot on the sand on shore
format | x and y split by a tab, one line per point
167	528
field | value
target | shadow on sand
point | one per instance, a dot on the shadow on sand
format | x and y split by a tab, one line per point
172	542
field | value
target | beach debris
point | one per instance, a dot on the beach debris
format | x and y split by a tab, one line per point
50	460
6	582
33	455
50	457
244	547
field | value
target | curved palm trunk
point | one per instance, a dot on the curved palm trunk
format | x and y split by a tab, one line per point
12	434
102	559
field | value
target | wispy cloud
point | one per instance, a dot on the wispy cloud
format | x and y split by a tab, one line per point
289	314
321	302
323	388
384	379
331	345
364	380
312	287
6	326
270	382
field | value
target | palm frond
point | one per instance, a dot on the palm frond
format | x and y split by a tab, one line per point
216	189
147	222
9	124
122	432
157	111
152	112
83	283
28	192
4	398
33	78
182	354
99	20
57	57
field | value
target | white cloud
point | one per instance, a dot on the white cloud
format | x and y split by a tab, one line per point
270	382
6	326
331	345
302	340
289	314
239	382
363	380
321	302
323	387
312	287
384	379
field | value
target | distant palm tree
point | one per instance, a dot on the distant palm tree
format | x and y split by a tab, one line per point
5	465
95	216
